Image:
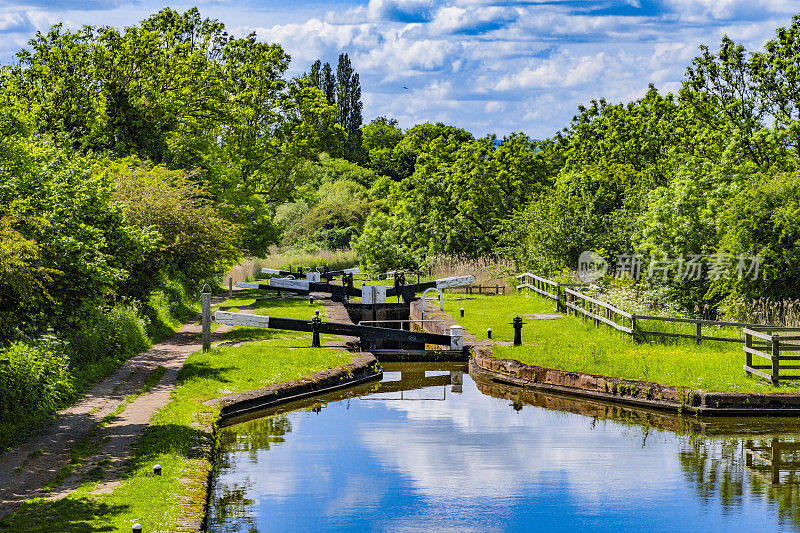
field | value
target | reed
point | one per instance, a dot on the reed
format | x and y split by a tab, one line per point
487	270
764	311
250	268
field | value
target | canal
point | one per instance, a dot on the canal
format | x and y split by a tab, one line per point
428	448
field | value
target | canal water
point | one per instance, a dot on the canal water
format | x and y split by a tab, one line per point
431	449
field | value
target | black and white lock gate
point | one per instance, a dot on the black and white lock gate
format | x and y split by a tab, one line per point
367	291
369	335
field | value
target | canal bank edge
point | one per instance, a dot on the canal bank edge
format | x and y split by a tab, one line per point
485	366
364	367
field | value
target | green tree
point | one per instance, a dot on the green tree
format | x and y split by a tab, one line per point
379	139
348	102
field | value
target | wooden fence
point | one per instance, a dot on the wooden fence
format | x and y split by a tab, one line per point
547	288
769	342
772	343
629	323
480	289
599	311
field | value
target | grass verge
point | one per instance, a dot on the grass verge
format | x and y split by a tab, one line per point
178	438
573	343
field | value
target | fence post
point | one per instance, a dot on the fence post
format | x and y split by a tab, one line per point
634	333
699	333
748	357
230	288
776	363
205	299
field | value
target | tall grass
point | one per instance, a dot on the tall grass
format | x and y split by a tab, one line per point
764	311
487	270
250	268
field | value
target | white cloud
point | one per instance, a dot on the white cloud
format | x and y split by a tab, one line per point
485	65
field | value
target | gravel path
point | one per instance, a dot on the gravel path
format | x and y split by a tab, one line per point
26	469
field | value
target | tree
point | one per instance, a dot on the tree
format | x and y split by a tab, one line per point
348	102
328	84
379	139
778	78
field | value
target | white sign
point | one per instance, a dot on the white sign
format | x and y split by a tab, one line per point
458	281
373	294
241	319
247	285
285	283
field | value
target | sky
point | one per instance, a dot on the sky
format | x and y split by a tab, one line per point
488	66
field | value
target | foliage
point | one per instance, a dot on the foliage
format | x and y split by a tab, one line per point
34	381
193	240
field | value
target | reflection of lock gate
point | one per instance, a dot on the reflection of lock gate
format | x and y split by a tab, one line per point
412	340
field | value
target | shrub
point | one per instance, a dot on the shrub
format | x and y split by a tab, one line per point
195	241
167	308
34	382
106	336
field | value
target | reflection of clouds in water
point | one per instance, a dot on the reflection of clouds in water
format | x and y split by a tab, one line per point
280	479
465	449
360	494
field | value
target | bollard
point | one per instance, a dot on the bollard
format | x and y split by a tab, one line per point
311	300
230	288
456	338
462	312
137	528
205	298
316	324
157	470
489	333
517	323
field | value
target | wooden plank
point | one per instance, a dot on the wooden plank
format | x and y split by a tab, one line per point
757	352
241	319
598	302
722	339
248	285
698	321
611	323
456	281
537	278
284	283
759	334
751	370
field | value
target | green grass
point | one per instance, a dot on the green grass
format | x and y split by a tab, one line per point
174	439
574	343
298	308
496	312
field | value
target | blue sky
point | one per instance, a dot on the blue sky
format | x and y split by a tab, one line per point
489	66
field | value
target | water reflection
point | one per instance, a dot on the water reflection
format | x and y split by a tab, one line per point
429	448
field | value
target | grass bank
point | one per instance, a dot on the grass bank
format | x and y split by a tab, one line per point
176	437
572	343
37	379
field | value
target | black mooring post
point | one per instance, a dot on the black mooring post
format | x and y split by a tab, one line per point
462	312
517	323
316	325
